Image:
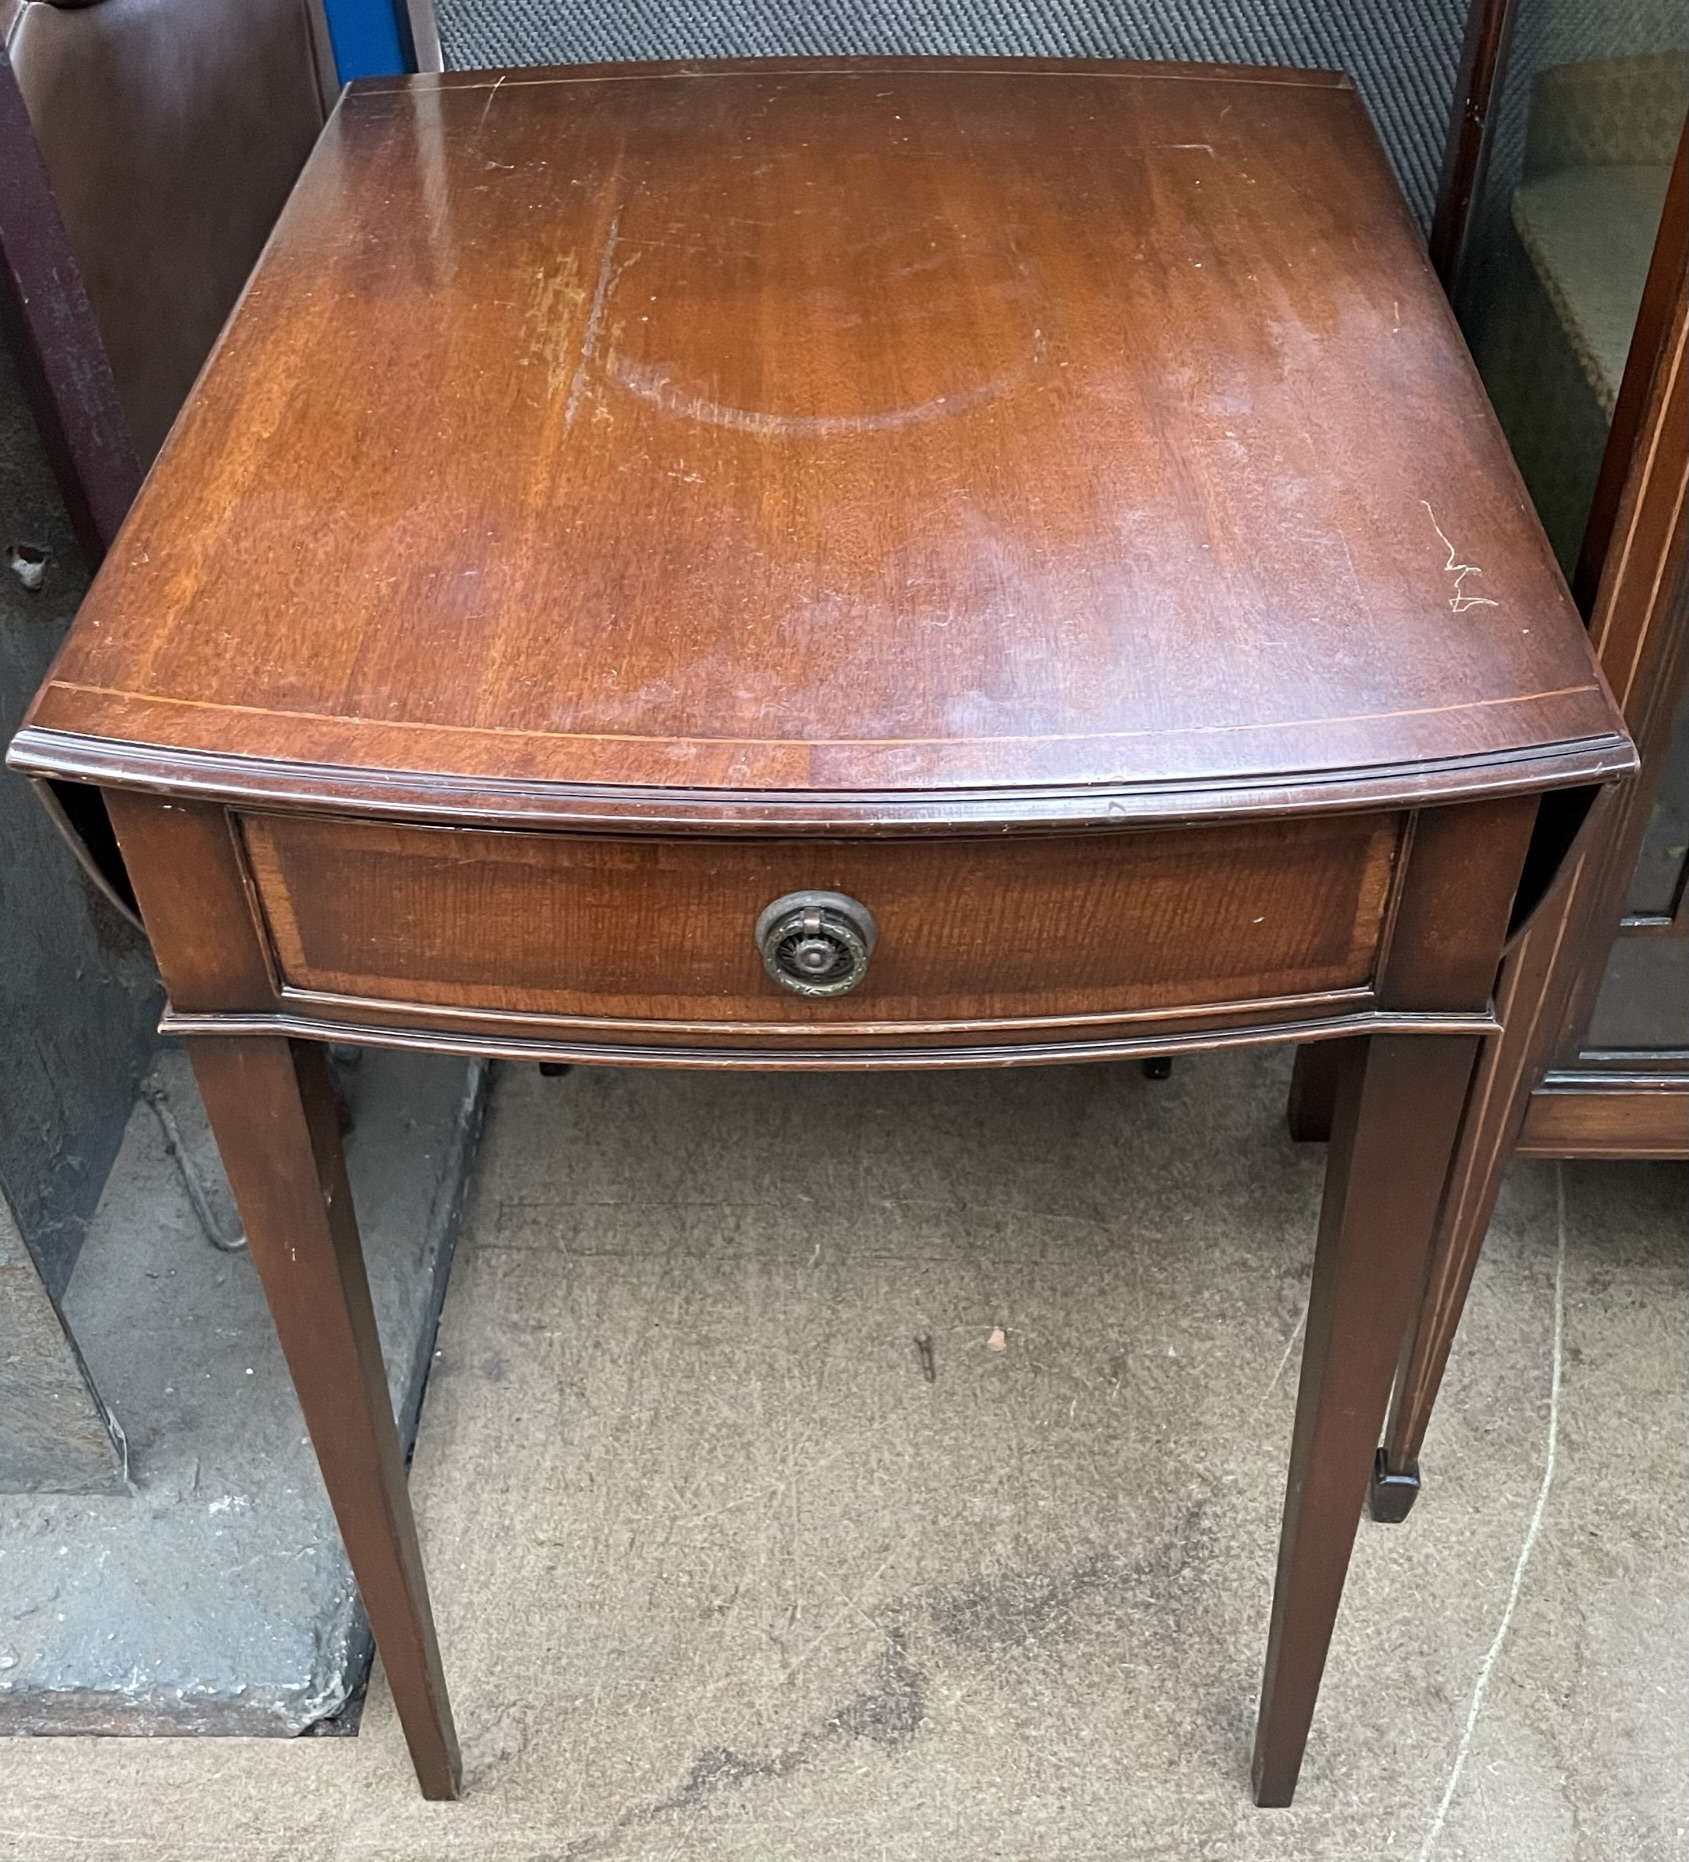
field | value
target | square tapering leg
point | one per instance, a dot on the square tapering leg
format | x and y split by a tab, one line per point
271	1105
1396	1109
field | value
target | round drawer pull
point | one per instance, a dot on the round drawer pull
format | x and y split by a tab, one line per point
816	943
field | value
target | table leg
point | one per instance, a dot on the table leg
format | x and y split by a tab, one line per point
1396	1114
271	1106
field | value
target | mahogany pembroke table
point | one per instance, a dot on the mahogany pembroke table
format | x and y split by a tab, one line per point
930	563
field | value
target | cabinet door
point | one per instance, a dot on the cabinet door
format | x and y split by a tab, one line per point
1550	261
1563	245
1654	904
1640	1018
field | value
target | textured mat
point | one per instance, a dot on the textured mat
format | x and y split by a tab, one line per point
1402	56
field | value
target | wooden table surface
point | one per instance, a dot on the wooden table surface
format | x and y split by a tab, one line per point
984	441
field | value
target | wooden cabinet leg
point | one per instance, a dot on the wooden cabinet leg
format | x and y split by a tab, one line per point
1462	1226
1530	1000
271	1105
1397	1111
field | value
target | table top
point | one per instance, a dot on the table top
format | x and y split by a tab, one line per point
861	444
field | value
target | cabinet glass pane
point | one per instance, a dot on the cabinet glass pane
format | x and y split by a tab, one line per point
1587	121
1656	885
1644	1002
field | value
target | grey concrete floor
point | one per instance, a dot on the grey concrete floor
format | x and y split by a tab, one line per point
213	1595
721	1574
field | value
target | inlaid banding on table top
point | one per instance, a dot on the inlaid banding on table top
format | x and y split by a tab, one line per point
527	775
913	434
729	742
395	790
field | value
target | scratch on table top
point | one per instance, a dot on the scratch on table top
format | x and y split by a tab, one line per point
595	317
481	121
1459	601
556	304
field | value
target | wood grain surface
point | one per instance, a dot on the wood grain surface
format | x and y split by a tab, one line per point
1091	436
1621	1116
638	949
647	927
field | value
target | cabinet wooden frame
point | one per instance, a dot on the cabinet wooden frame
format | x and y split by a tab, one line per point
1538	1090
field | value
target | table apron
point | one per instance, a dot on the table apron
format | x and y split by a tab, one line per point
990	950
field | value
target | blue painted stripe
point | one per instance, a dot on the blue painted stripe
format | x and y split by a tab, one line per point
366	38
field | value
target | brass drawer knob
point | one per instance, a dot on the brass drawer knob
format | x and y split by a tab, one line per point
816	943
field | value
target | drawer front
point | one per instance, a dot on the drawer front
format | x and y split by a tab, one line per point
653	934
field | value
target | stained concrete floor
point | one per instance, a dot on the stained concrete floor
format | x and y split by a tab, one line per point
721	1574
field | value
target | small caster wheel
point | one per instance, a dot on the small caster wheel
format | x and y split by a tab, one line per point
553	1069
1158	1067
1390	1498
